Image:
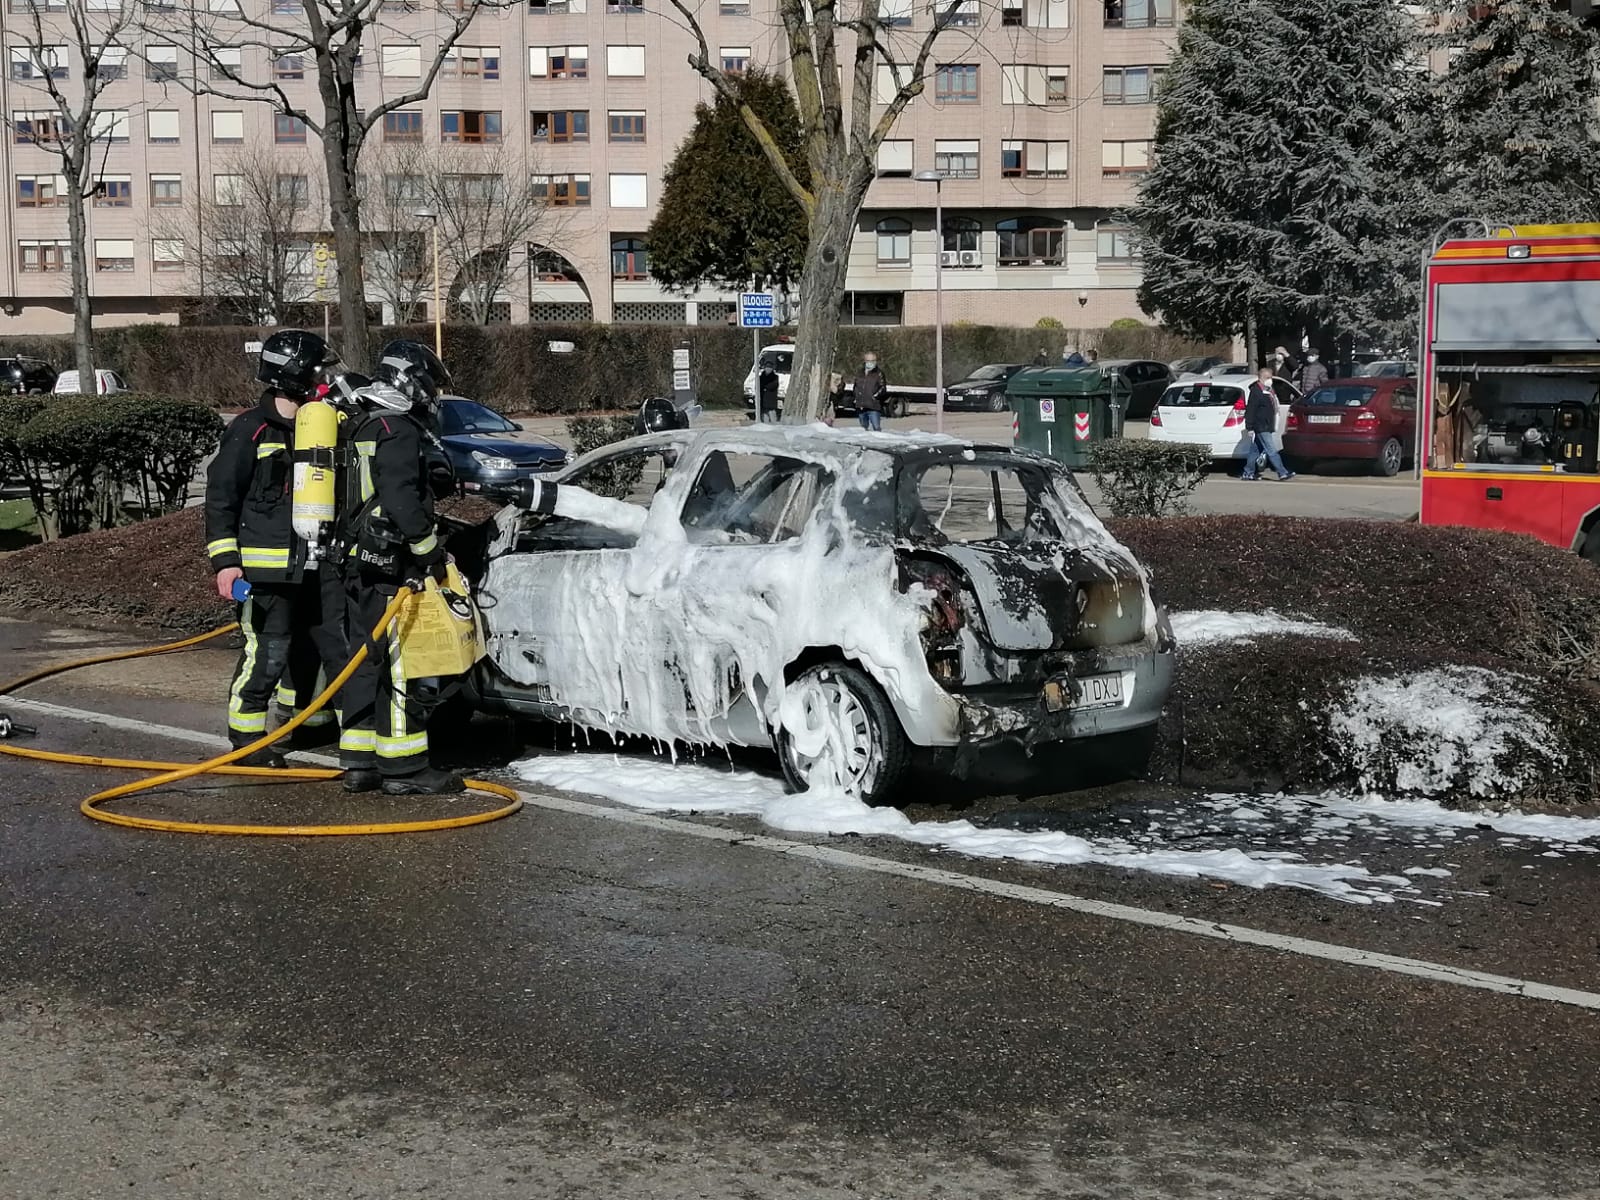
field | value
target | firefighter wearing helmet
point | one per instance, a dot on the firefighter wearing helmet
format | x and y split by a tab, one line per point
290	612
388	525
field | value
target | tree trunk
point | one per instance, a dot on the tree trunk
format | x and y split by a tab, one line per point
344	215
1252	341
82	306
821	286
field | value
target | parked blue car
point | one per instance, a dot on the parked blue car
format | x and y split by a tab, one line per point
475	438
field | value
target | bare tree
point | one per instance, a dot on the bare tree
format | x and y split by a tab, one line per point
74	128
248	241
841	137
396	190
330	33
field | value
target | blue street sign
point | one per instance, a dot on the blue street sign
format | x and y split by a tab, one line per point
756	310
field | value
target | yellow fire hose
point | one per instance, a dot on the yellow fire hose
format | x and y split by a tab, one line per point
224	764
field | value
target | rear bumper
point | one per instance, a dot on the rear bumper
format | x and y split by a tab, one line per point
1231	444
1333	445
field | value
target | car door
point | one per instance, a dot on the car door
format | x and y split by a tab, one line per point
1402	414
1288	395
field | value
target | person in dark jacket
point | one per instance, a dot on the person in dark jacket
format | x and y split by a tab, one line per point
389	527
1261	426
871	392
250	538
1041	359
1313	375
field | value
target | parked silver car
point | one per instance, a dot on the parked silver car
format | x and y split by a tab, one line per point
853	600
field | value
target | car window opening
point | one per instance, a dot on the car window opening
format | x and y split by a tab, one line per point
752	498
981	503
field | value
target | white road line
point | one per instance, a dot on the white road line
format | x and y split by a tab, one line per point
938	877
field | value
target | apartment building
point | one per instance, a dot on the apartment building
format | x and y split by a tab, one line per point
1038	115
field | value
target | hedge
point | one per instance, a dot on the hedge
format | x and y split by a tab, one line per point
511	367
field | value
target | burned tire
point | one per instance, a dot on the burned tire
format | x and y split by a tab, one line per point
851	735
1390	459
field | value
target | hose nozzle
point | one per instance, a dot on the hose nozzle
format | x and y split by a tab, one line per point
13	729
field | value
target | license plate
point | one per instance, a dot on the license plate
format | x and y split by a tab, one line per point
1078	695
1333	420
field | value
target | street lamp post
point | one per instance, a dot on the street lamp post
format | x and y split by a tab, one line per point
937	179
427	214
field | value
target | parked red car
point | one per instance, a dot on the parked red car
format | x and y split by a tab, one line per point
1372	420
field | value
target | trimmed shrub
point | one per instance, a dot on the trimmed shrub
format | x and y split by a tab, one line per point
1147	479
1048	323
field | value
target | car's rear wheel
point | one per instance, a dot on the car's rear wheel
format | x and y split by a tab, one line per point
847	736
1390	459
997	402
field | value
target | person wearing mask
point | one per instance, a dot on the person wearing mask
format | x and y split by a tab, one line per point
1041	359
1313	375
871	393
250	540
1093	357
389	528
1282	363
1261	427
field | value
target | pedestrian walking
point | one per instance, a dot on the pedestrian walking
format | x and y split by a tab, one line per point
871	392
1313	375
1261	428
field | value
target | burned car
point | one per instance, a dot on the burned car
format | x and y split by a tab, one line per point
852	600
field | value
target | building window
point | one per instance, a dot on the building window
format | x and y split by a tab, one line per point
557	7
470	125
287	130
402	60
1124	158
624	6
629	259
559	125
1114	243
547	266
402	125
113	191
895	158
293	190
473	190
628	191
113	62
166	191
287	8
626	126
227	128
472	62
1138	14
894	242
895	12
1036	160
41	191
30	128
1031	242
956	160
734	8
161	127
110	125
161	63
228	190
956	83
1130	85
1028	83
166	254
558	62
39	62
625	62
404	189
1045	14
225	62
735	60
965	16
289	66
113	254
38	256
562	191
889	78
961	242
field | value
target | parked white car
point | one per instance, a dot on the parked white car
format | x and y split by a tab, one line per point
107	383
850	600
1210	412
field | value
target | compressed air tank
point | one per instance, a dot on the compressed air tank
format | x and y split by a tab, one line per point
316	435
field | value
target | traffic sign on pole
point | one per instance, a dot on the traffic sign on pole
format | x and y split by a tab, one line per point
757	310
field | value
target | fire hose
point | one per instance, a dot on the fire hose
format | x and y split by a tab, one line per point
224	764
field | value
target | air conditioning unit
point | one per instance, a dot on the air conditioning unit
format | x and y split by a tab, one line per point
949	258
971	258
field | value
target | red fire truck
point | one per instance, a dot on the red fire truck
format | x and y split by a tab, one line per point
1510	376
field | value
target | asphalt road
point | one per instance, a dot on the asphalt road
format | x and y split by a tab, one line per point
577	1002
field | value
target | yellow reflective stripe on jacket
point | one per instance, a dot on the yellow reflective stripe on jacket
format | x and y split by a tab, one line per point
426	546
265	557
222	546
268	449
364	455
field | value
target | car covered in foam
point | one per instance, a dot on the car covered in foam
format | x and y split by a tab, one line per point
856	601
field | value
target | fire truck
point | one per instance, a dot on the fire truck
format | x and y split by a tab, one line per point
1510	375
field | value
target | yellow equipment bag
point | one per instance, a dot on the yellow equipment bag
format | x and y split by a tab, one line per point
439	631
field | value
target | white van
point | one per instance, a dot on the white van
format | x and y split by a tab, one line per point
108	382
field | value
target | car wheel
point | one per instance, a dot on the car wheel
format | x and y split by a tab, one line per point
848	735
997	402
1390	459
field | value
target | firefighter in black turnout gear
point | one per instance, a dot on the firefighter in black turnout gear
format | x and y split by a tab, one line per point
389	528
293	617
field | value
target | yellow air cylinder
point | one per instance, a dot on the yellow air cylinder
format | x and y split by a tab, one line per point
316	434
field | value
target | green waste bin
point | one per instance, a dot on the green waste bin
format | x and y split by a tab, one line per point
1062	411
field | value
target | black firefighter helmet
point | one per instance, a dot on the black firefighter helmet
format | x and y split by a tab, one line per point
414	371
292	361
